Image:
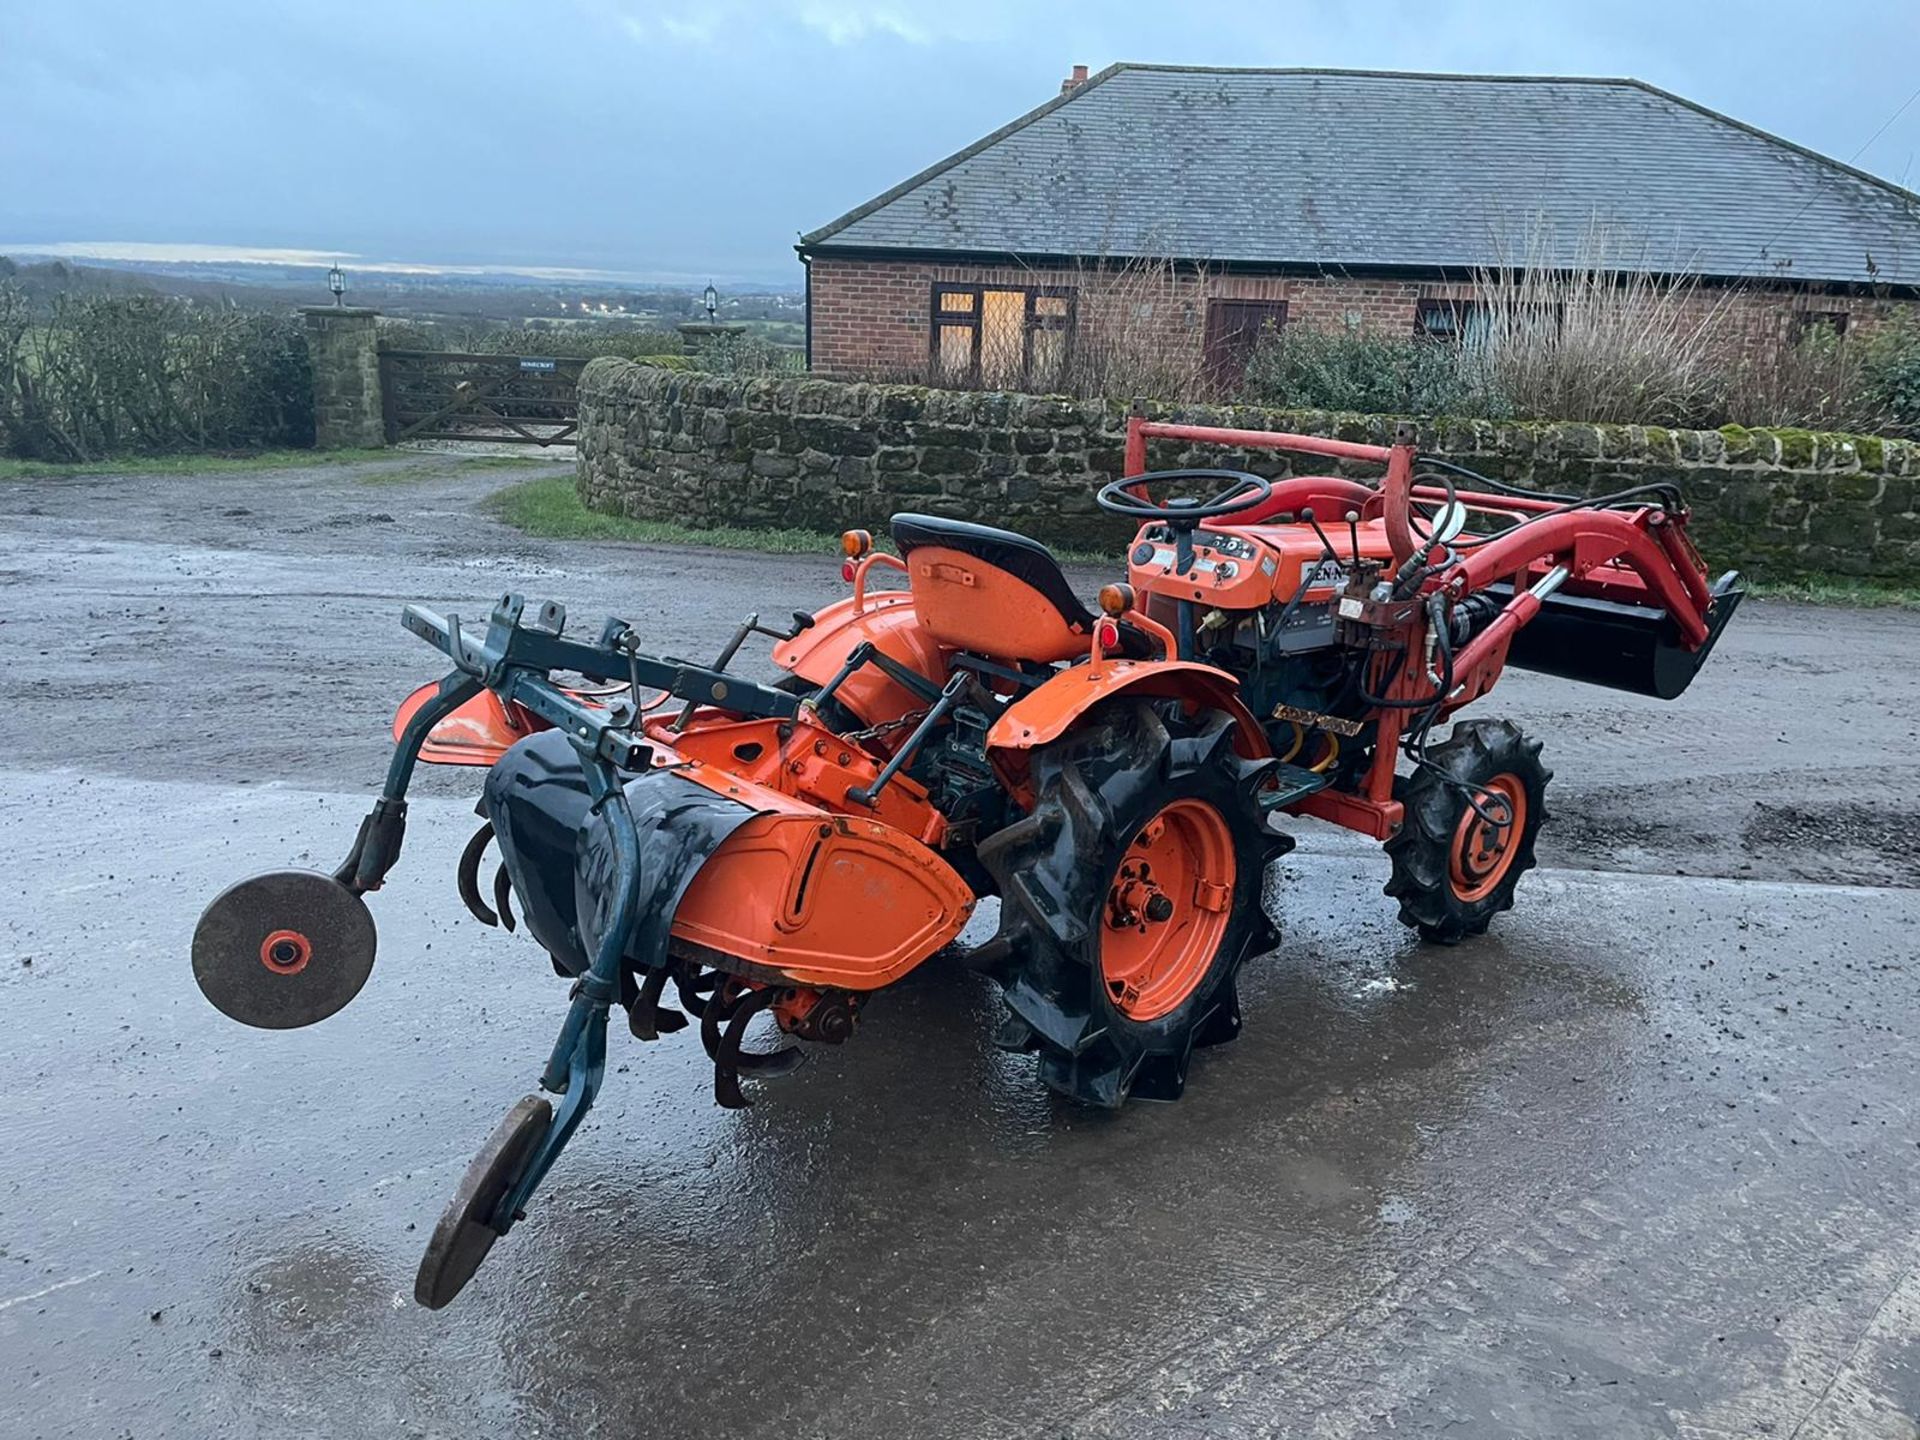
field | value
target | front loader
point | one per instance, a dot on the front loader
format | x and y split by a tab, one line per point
775	854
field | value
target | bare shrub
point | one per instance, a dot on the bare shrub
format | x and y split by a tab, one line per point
1598	339
1123	343
746	354
1810	377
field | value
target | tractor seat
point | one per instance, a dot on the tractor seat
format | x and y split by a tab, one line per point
990	591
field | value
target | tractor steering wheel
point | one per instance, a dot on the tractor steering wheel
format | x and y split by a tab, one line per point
1183	513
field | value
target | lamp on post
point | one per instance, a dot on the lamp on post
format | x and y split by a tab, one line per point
701	333
337	283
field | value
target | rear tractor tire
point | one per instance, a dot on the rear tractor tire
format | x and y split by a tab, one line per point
1130	896
1453	870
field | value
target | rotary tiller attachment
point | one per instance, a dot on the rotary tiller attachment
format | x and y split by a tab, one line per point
605	832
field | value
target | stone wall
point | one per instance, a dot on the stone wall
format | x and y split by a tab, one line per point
823	454
346	377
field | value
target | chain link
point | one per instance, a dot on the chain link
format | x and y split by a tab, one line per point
874	732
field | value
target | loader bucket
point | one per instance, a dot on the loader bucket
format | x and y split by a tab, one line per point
1635	648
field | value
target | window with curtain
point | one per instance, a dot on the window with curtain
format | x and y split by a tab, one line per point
1456	320
1004	336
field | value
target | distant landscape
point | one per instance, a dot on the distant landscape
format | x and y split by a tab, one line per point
457	300
114	355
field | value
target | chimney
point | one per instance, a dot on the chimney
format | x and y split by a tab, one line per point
1075	80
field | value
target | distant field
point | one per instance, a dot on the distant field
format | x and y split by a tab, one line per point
451	299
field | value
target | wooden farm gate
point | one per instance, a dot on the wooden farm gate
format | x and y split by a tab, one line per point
501	399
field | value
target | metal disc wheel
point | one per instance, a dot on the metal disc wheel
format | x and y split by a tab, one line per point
467	1229
1130	896
1455	863
284	949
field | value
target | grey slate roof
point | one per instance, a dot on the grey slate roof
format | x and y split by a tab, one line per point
1357	169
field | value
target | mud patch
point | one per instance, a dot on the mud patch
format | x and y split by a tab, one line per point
345	522
1838	842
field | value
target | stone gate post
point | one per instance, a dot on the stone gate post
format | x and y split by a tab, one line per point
346	377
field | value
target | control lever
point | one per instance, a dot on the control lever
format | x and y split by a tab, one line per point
747	627
1327	552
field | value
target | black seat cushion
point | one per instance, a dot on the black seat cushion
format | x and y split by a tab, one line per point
1024	559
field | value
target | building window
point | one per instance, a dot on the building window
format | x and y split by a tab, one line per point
1234	328
1002	336
1810	324
1454	320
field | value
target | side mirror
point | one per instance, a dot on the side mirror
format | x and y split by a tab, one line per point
1448	521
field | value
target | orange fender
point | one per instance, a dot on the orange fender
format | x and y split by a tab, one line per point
1047	713
483	729
478	733
888	619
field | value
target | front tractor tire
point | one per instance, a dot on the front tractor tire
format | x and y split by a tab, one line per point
1453	871
1130	896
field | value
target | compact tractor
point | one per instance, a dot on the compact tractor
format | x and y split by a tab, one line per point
1115	775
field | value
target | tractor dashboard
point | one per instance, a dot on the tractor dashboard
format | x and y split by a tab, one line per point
1246	567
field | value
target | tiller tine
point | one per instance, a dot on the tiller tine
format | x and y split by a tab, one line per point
723	1031
647	1018
467	876
503	898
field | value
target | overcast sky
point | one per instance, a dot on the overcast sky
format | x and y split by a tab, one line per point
700	136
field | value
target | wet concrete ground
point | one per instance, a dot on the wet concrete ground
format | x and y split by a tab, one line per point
1642	1162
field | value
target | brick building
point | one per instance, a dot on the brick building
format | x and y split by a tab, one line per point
1192	209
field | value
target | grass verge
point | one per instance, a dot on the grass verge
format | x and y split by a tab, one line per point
196	464
550	508
1840	590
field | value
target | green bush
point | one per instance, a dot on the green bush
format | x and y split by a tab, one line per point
1890	375
1622	356
1304	369
560	340
747	354
95	376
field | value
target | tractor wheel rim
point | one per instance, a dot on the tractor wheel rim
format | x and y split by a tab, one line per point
1483	853
1166	910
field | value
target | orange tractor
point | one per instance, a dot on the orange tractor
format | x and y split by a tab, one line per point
1115	776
